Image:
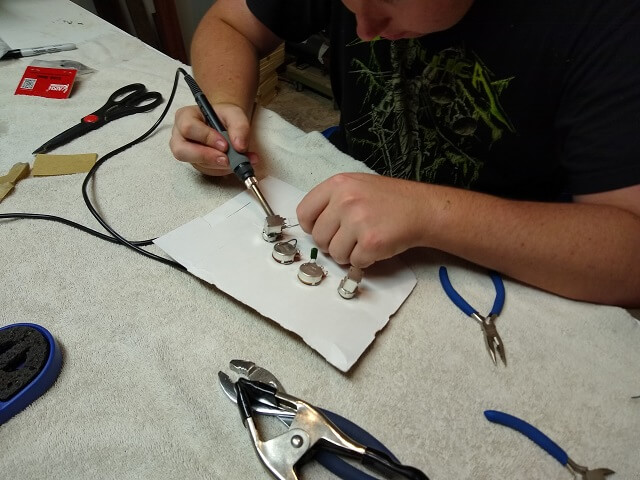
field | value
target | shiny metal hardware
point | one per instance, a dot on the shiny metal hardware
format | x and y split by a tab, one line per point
272	230
252	184
311	273
349	284
585	473
285	252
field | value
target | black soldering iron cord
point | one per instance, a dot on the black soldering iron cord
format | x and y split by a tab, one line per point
115	237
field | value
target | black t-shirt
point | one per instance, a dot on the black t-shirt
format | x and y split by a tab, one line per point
531	100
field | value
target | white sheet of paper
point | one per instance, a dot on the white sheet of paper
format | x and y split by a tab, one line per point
226	248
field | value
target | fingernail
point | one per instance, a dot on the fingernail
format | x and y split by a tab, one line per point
221	161
220	145
240	143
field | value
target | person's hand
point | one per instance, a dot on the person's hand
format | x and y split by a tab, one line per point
361	218
195	142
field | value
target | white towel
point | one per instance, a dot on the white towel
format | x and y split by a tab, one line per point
137	396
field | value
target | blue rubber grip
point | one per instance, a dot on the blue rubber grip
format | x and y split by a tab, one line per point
531	432
499	301
334	463
453	295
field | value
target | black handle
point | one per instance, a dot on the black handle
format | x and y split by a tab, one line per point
377	459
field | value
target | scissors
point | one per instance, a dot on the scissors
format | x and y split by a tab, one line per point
491	337
125	101
311	430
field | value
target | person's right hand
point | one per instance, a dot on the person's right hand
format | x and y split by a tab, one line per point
195	142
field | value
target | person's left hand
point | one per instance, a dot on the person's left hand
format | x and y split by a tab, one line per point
360	218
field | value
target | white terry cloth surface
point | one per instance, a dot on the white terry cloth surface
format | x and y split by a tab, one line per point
226	249
137	396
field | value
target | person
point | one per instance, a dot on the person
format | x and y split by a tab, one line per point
504	132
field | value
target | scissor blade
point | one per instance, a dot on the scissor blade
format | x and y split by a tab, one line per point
64	137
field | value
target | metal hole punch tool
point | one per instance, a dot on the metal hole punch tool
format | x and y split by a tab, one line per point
312	432
125	101
546	444
492	338
239	163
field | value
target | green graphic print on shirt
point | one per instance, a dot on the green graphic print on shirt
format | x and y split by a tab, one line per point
429	119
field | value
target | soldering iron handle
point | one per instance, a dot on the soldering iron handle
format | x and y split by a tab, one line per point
238	162
378	459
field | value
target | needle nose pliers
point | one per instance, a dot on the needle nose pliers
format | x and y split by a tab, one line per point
492	338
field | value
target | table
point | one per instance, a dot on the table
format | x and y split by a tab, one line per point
142	342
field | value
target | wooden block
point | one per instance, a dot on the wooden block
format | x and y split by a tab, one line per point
266	98
269	83
5	188
17	172
311	77
271	62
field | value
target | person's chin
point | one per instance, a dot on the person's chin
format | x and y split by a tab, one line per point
398	36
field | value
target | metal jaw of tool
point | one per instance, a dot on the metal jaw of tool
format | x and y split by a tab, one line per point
273	224
585	473
309	429
491	337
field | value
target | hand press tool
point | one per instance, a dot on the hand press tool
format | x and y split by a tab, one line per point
548	445
240	164
311	430
492	339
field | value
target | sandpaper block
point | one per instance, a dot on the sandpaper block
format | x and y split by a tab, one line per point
47	165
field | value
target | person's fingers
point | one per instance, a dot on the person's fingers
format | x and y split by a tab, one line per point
342	245
324	228
237	125
211	170
363	255
312	205
191	151
191	126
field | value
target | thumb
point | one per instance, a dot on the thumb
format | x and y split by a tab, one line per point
238	127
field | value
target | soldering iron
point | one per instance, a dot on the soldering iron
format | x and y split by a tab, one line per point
240	164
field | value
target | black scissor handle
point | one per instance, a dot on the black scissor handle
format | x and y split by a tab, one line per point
127	100
123	93
133	103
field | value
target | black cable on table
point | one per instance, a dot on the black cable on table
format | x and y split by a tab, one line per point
115	237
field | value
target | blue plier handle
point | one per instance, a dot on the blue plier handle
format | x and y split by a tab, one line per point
492	338
462	304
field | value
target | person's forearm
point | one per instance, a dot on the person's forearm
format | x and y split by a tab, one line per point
585	252
225	64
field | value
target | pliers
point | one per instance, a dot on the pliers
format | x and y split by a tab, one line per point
311	431
547	444
492	338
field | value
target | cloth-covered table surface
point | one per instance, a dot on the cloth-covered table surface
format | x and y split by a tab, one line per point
137	396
